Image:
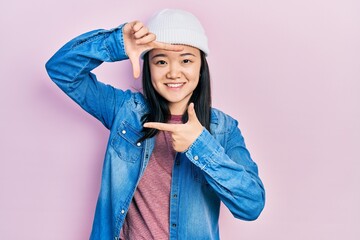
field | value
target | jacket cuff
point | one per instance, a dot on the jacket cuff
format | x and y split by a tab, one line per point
203	150
116	45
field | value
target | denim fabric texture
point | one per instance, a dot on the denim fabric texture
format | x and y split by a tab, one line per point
216	168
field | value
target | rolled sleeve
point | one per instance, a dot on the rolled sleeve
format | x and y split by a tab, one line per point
202	151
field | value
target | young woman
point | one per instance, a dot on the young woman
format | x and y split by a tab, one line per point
171	158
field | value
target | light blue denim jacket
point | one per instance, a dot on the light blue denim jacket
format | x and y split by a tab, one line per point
216	167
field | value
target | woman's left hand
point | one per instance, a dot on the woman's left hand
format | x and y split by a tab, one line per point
183	135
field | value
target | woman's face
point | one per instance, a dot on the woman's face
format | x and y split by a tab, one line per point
175	75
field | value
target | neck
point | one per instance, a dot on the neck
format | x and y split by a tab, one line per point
175	109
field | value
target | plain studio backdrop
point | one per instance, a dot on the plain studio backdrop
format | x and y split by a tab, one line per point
289	71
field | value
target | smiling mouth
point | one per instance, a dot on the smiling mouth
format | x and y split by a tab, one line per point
174	85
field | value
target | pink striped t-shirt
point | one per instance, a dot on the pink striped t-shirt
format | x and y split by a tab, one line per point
148	215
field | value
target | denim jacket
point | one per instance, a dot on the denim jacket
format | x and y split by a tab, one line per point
216	168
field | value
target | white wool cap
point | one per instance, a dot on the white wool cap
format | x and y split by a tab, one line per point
177	26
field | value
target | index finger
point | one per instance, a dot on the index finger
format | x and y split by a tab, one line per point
168	46
160	126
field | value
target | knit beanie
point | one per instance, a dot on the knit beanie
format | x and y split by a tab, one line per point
177	26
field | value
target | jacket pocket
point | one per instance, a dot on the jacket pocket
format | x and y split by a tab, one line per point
125	143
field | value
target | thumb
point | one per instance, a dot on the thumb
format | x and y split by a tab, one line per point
191	113
135	62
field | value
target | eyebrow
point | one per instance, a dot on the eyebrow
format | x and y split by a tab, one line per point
164	55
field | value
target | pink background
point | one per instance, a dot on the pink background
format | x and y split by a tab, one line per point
288	70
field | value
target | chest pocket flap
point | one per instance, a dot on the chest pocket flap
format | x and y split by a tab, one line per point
125	143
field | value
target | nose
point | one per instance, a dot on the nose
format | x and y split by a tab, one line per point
174	72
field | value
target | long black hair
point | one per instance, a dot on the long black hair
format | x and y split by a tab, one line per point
159	109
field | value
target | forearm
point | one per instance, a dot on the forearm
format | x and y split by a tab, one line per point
70	68
75	60
233	175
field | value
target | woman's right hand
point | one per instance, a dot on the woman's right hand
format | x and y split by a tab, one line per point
138	39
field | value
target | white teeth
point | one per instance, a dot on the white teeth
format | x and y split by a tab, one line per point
174	85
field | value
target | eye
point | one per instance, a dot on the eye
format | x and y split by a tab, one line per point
187	61
160	62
